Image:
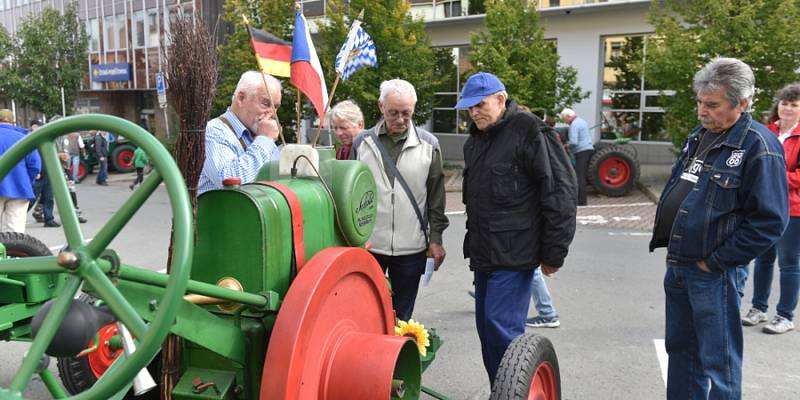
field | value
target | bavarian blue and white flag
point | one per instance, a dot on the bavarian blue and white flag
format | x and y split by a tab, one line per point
358	51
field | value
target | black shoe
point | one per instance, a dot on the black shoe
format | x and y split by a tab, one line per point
81	219
38	217
132	186
51	224
102	183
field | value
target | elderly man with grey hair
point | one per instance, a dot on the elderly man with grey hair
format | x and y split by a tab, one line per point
725	203
242	139
347	121
407	164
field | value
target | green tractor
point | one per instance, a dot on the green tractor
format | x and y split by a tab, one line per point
120	156
270	289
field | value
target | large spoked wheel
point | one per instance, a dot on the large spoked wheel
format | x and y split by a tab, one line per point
614	170
83	262
528	370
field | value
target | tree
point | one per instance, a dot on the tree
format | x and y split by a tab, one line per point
51	55
403	49
7	73
762	33
513	48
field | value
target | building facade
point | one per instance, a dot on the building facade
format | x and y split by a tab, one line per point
127	46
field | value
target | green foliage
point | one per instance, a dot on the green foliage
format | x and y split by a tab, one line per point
762	33
514	49
476	7
7	73
236	56
50	54
403	49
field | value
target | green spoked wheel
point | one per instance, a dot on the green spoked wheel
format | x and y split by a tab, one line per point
83	262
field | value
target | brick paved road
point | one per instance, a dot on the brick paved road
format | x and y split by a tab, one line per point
633	212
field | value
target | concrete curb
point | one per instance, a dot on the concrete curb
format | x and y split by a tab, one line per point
648	191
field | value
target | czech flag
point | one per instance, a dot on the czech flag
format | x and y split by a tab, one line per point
306	69
273	54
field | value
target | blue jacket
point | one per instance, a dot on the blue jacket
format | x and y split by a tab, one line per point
580	139
18	184
739	206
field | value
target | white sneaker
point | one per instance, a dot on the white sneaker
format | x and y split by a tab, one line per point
754	317
778	325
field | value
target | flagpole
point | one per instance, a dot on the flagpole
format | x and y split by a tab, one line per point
299	110
325	111
266	86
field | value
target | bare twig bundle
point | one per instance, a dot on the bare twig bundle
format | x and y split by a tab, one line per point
192	80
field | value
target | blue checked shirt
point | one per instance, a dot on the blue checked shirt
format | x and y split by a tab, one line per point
225	157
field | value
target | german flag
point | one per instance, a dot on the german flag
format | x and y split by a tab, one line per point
273	54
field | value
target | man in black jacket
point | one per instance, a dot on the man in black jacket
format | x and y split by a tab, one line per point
520	193
101	151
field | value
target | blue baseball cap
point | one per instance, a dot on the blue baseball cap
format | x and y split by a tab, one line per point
479	86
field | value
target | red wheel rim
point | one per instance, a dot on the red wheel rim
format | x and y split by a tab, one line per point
125	159
543	383
614	172
81	170
102	358
340	291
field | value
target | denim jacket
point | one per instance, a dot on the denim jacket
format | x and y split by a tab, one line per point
739	206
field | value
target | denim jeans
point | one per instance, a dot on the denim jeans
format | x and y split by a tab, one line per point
787	251
704	333
44	192
541	296
501	306
404	273
102	171
75	162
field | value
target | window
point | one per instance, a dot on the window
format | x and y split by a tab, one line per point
93	31
109	33
138	30
453	66
152	28
122	32
631	108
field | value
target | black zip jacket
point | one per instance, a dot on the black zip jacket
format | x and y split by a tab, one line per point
520	192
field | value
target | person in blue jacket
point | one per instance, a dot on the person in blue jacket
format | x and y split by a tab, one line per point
16	189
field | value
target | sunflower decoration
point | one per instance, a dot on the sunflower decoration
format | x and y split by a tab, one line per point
416	331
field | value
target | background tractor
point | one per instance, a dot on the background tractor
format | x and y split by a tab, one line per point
120	155
270	289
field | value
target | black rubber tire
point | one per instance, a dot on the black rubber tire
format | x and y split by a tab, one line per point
77	375
22	245
524	355
116	163
627	156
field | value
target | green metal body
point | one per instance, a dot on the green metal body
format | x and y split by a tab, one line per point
242	232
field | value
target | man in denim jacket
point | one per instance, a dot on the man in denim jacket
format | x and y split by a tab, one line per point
724	204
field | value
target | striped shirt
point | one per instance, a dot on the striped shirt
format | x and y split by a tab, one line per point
225	157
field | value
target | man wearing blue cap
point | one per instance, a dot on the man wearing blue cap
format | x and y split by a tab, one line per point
521	198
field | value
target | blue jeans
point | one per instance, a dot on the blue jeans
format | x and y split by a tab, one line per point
404	273
704	332
102	173
787	251
43	190
501	306
541	296
75	162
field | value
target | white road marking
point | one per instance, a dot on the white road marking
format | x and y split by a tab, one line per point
617	205
64	245
631	218
663	358
455	213
591	219
629	234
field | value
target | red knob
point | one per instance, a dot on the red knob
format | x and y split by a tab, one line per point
231	182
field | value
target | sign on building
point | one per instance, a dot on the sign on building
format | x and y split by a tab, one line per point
161	90
110	72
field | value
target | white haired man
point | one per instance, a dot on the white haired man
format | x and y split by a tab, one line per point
347	121
580	143
410	218
242	139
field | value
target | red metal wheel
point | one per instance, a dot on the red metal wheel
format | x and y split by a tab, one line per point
125	158
81	171
615	172
102	358
334	335
543	383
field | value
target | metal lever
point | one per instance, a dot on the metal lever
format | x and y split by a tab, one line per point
143	382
